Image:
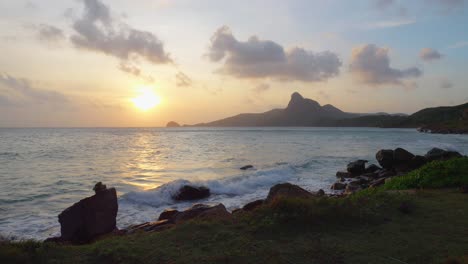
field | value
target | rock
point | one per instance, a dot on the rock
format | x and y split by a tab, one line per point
386	173
417	161
338	186
90	217
201	211
370	175
188	192
352	188
402	156
167	214
253	205
357	167
372	168
246	167
172	124
98	187
320	193
440	154
385	158
287	190
377	182
343	174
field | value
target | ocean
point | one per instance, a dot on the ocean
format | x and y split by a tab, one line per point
45	170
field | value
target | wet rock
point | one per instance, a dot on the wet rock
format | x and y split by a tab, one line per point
370	175
385	158
90	217
320	193
386	173
253	205
402	156
343	174
338	186
357	167
287	190
167	214
372	168
187	193
246	167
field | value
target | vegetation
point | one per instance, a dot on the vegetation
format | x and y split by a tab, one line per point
437	174
372	226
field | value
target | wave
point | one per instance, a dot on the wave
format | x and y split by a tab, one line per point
247	183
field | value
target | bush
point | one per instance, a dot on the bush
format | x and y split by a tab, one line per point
437	174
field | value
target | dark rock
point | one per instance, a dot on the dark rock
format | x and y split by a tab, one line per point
352	188
253	205
357	167
320	193
343	174
338	186
440	154
386	173
402	156
98	187
90	217
385	158
377	182
370	175
287	190
417	162
372	168
188	192
202	211
167	214
246	167
172	124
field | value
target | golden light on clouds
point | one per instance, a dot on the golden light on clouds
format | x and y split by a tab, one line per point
146	99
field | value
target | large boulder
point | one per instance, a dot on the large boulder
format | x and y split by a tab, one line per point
357	167
372	168
402	156
440	154
287	190
253	205
196	211
188	193
90	217
385	158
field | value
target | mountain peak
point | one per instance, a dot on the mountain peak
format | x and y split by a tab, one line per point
300	104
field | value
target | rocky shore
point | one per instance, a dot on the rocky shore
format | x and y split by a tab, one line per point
94	217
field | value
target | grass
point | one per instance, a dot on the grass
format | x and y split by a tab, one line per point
437	174
367	227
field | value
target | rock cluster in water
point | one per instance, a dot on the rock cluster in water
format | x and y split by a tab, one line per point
393	162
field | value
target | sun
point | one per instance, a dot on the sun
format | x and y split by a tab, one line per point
146	99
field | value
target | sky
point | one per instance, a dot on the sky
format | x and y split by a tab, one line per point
139	63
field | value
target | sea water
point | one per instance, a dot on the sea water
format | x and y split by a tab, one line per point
45	170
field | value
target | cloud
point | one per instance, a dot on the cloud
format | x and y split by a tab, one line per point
127	67
389	24
428	54
459	44
257	58
384	3
182	80
371	65
19	90
446	84
98	31
263	87
49	33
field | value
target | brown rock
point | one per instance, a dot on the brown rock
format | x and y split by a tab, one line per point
167	214
287	190
338	186
202	211
90	217
253	205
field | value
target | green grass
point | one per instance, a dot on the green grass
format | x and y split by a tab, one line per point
366	227
437	174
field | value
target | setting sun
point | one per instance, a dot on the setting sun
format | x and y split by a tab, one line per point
146	100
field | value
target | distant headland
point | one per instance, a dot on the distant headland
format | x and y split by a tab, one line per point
303	112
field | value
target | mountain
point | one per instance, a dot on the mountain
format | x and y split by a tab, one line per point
299	112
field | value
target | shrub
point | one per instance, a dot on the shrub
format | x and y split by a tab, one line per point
437	174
